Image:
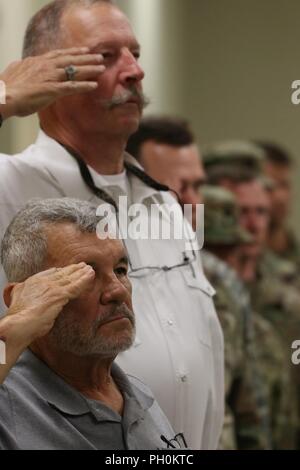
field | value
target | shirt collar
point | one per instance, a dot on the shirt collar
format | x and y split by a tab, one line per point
66	399
62	166
50	386
141	396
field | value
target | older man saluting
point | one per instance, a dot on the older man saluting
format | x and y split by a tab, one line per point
70	311
79	153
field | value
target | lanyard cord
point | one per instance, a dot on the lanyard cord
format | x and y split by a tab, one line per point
100	193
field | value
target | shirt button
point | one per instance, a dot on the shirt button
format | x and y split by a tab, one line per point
183	378
170	323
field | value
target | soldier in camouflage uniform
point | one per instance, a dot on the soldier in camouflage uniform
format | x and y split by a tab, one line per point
255	377
283	242
273	294
278	166
273	298
246	423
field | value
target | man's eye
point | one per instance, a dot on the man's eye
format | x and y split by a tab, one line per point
137	55
93	266
107	55
122	271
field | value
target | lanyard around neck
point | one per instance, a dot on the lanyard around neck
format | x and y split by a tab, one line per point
100	193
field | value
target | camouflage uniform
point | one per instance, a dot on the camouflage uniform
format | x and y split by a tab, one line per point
273	296
292	253
271	362
246	424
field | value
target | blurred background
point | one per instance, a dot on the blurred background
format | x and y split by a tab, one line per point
227	66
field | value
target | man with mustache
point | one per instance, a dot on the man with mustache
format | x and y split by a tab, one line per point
70	314
178	350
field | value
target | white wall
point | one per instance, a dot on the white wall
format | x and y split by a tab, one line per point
14	15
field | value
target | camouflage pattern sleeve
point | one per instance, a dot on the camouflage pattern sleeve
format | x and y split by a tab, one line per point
244	426
277	300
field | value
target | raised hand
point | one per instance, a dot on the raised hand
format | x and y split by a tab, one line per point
36	303
35	82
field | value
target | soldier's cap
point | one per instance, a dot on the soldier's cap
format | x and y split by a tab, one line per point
236	159
221	218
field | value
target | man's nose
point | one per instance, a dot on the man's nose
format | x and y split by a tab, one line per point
113	291
252	224
131	71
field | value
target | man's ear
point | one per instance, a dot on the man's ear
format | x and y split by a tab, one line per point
7	293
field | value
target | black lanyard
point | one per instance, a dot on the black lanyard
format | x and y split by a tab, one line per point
100	193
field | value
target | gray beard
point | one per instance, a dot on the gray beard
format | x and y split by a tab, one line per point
67	336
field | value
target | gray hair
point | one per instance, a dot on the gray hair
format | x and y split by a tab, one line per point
43	32
24	245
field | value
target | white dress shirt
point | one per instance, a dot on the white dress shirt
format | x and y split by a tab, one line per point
178	349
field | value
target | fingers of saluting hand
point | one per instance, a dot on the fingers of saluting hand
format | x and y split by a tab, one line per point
77	60
70	88
69	51
65	272
74	272
74	279
79	281
84	72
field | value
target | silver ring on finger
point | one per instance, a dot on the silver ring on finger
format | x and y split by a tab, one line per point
71	72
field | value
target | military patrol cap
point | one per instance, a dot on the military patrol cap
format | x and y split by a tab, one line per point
238	160
221	218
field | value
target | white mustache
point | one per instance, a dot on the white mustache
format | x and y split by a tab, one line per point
119	100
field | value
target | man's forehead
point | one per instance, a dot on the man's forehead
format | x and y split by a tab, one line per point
66	240
278	171
181	162
178	153
188	160
98	24
252	192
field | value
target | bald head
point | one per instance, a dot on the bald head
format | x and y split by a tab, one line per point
44	32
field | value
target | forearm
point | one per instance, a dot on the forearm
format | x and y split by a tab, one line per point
12	345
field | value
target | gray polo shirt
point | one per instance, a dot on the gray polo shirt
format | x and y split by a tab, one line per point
39	410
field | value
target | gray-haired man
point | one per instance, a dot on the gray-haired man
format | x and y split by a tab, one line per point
70	314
